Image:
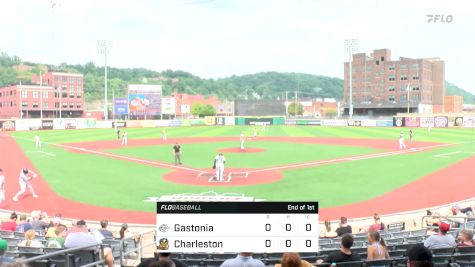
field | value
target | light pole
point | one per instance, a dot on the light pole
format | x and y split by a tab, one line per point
103	48
350	47
408	88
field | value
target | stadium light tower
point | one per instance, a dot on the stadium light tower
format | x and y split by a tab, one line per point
103	48
351	46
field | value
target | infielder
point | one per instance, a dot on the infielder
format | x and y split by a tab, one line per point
410	135
255	133
117	131
242	138
2	186
401	141
219	161
37	142
25	181
164	135
124	139
177	153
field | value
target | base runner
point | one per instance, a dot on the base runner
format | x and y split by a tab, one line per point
401	141
164	135
242	138
37	142
219	161
24	180
124	139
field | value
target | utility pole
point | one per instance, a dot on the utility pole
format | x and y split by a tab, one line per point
103	47
350	48
41	95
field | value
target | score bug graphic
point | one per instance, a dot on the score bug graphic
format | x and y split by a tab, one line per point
237	226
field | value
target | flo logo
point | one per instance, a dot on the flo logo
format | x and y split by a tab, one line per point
163	228
439	18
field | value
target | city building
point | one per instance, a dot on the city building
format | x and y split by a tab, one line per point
320	107
184	103
380	84
453	103
53	95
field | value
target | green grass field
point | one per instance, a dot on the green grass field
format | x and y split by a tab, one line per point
109	182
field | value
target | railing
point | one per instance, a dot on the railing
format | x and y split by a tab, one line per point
67	256
447	218
137	239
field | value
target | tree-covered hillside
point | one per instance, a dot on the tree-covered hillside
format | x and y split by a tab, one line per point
263	85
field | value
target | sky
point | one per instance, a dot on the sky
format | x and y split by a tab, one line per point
220	38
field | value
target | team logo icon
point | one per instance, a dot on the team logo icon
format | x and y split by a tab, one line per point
163	228
163	244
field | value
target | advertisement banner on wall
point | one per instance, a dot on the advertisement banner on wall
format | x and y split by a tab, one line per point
469	121
58	124
354	123
197	122
229	121
458	122
334	123
121	106
258	121
412	121
27	124
168	105
210	120
119	124
441	121
47	125
426	122
103	124
398	121
7	125
369	123
219	121
384	123
70	123
290	122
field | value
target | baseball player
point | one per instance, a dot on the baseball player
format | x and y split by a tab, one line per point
255	133
24	180
2	186
219	161
124	139
177	153
164	135
410	135
401	141
242	138
37	142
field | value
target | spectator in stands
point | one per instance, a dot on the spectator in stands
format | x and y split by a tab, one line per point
466	239
377	225
9	225
55	222
29	240
433	218
419	256
377	249
82	238
461	217
158	256
104	231
292	260
344	254
344	227
433	229
39	220
123	231
59	237
441	240
327	232
243	259
23	225
3	249
162	263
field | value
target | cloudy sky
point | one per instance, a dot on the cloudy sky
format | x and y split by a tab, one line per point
218	38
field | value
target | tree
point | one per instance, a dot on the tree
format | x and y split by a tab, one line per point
295	109
197	109
208	110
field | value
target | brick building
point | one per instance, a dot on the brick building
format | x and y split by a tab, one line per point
58	92
380	84
453	103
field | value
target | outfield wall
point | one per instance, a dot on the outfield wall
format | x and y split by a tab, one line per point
425	121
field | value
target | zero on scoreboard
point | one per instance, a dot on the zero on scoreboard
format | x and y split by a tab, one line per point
217	227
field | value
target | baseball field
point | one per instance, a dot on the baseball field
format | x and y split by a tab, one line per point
351	171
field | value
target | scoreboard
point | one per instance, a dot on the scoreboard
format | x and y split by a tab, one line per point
217	227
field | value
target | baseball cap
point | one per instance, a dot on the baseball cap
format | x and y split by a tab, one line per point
444	227
124	225
81	223
3	245
25	170
418	252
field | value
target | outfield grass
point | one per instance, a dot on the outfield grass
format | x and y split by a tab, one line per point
120	184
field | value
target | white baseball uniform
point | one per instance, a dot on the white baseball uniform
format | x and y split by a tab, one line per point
24	181
219	164
164	135
401	141
124	139
37	142
255	133
241	138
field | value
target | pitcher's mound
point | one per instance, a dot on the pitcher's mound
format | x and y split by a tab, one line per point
239	150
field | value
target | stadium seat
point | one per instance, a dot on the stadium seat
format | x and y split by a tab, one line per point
385	263
394	241
400	234
350	264
441	260
443	251
421	232
396	253
226	256
414	239
5	234
464	259
323	265
84	257
464	250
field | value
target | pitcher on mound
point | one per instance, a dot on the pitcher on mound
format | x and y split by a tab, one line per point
219	162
